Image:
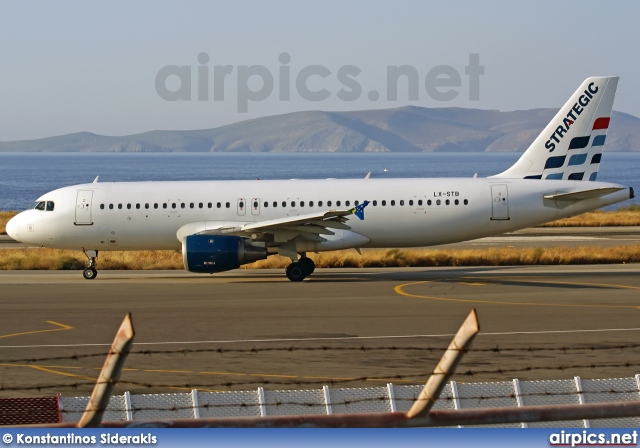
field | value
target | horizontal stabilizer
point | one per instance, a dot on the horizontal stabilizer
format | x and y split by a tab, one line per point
581	195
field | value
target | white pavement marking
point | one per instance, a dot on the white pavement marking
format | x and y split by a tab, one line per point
351	338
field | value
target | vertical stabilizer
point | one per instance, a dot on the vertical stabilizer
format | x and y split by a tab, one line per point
570	147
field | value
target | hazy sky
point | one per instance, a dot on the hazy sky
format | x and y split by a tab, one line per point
72	66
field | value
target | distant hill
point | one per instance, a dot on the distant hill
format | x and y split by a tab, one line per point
405	129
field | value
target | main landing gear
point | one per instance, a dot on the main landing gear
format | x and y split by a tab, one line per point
90	272
299	270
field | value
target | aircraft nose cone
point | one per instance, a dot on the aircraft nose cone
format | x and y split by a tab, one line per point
12	228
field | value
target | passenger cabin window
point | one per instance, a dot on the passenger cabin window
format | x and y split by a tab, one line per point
200	205
384	202
138	206
128	206
155	205
420	202
275	204
110	206
119	206
375	203
338	203
227	204
310	203
101	206
393	202
164	205
192	205
183	205
347	203
210	204
319	203
466	202
146	205
218	204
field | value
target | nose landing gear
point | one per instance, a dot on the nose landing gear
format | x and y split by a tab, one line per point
90	272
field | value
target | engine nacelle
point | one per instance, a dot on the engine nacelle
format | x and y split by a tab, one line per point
217	253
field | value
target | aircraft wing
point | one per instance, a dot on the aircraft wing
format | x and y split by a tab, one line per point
581	195
309	226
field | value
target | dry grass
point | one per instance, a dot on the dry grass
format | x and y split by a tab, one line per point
56	259
625	216
4	219
53	259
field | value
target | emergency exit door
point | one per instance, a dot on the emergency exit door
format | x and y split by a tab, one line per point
242	206
255	206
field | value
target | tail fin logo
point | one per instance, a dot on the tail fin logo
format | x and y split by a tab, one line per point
358	210
572	116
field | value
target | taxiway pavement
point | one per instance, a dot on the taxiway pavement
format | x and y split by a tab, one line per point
341	327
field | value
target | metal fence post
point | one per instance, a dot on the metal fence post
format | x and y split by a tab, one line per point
261	401
392	398
196	406
127	406
516	388
581	398
327	399
456	397
60	409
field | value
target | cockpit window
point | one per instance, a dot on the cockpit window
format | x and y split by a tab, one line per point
44	205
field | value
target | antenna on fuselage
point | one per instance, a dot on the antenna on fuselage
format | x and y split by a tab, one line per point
95	181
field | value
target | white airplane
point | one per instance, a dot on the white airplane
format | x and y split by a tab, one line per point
220	225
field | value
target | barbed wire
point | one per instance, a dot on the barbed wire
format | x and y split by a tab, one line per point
301	381
362	348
